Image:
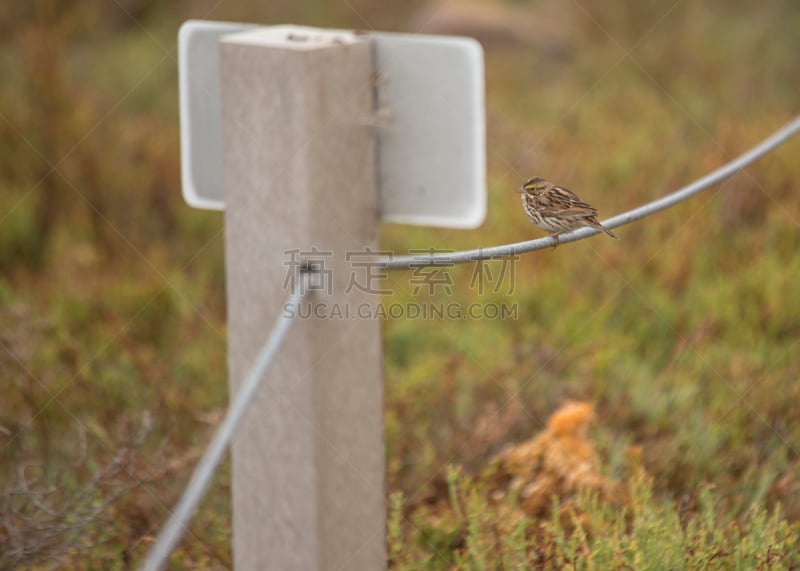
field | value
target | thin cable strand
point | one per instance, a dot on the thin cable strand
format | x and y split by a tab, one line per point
445	259
195	490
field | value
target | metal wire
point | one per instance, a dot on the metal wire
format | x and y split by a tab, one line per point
194	492
445	259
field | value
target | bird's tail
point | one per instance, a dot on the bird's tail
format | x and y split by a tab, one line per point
606	230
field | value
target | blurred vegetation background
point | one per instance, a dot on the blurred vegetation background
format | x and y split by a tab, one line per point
684	336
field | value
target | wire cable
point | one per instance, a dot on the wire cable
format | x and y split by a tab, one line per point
449	258
195	490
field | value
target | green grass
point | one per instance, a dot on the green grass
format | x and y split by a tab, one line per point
651	533
684	334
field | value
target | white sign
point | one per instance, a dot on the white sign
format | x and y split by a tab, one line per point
430	125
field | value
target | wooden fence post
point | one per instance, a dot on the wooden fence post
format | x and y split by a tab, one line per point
299	174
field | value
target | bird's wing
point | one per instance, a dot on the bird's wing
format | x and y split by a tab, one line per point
576	211
566	203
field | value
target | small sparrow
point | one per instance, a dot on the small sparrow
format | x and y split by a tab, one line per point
556	209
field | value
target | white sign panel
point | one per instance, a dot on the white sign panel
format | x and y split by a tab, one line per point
431	126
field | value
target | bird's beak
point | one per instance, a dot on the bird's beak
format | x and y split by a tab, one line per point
521	190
